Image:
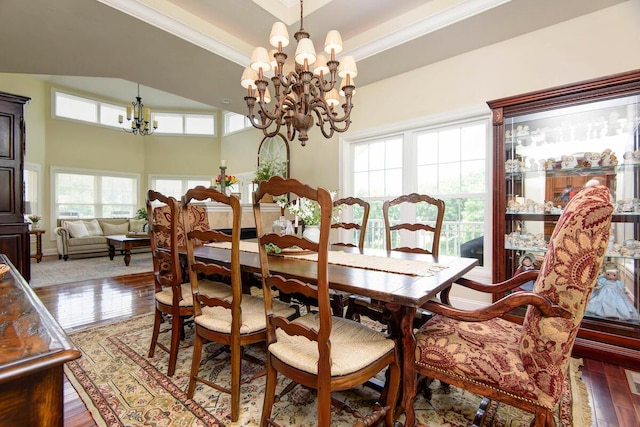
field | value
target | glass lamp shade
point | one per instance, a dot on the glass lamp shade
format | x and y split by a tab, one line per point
305	50
332	98
348	67
260	59
279	34
248	78
333	42
321	66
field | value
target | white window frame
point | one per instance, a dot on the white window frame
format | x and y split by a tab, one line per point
227	117
409	132
34	197
126	124
184	181
55	170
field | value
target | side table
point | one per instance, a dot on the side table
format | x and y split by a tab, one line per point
38	233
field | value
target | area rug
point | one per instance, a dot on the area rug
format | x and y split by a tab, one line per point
55	272
122	387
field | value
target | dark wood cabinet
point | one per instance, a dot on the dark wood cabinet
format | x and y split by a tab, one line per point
34	351
547	145
14	231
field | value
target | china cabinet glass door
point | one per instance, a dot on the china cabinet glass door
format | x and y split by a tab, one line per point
550	145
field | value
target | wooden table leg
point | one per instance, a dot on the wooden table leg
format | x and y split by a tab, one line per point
126	248
112	252
401	328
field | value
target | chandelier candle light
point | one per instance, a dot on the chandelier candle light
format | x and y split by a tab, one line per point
141	122
303	90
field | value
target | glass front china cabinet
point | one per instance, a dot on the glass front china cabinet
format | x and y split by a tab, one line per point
548	145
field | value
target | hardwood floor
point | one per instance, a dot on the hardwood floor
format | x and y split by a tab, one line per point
94	302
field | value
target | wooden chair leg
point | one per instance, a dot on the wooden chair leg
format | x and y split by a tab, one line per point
176	328
324	407
236	365
156	330
269	395
195	364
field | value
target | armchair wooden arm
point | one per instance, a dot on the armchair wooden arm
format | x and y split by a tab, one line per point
505	286
500	307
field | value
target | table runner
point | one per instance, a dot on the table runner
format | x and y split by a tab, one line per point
369	262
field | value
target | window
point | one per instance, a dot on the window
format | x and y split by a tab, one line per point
32	191
445	160
187	124
94	194
235	122
176	187
93	111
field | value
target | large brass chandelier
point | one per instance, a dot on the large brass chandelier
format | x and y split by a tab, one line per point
302	90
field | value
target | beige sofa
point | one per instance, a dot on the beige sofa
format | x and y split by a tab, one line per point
87	237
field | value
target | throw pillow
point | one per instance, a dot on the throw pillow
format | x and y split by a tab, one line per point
93	227
137	225
111	229
76	228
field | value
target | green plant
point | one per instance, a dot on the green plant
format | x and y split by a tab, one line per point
268	168
142	214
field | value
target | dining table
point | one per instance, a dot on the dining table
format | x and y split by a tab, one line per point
403	281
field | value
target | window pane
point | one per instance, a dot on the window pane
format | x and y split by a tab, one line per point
361	184
427	148
84	195
169	187
449	145
473	142
192	183
473	177
109	115
376	156
449	178
360	158
75	188
234	122
393	182
77	108
376	183
393	149
428	179
199	125
118	190
168	123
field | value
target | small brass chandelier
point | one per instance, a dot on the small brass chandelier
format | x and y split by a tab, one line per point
301	91
141	120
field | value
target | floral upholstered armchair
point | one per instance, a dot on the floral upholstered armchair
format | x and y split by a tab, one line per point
524	365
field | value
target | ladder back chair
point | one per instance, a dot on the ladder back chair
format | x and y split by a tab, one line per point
222	314
317	350
356	230
431	224
171	297
524	365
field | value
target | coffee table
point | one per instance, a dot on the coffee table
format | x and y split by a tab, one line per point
125	243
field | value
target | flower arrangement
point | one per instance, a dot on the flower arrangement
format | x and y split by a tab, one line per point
34	218
228	180
268	168
307	210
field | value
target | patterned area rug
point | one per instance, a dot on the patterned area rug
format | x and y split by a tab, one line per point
47	273
122	387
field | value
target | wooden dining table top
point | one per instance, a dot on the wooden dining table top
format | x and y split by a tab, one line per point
404	289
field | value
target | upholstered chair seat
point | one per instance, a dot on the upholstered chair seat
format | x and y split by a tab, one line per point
460	348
